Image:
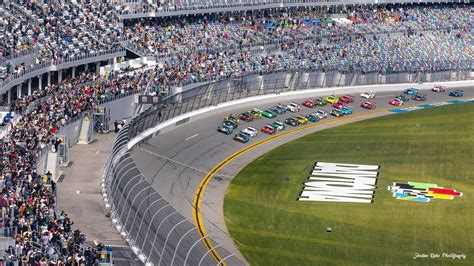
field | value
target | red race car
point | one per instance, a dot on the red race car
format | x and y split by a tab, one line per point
396	102
346	99
268	130
368	105
339	105
439	88
309	103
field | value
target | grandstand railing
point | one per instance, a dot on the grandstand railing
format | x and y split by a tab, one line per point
54	65
144	218
147	10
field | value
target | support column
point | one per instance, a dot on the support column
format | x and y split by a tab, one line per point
114	61
86	68
40	82
60	76
9	97
18	91
97	66
73	72
29	86
49	78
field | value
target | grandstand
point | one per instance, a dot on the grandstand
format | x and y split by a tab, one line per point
61	61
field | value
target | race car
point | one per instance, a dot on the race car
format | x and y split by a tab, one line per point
256	113
439	88
313	117
403	98
336	113
268	130
293	107
331	99
339	105
232	118
230	123
269	113
322	113
368	105
411	91
320	102
419	97
246	116
346	99
291	121
241	137
456	93
250	131
302	120
310	103
346	110
225	129
278	125
279	109
368	95
396	102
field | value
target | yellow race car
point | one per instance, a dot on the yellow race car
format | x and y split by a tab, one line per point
302	120
232	118
256	113
331	99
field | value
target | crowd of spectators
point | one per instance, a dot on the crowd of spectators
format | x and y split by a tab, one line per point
42	235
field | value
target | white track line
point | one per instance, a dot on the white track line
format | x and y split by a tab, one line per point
188	138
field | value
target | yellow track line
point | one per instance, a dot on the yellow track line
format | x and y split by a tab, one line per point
198	196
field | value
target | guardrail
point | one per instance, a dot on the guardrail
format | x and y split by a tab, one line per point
147	10
136	207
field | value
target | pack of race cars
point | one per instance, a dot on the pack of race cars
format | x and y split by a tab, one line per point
340	107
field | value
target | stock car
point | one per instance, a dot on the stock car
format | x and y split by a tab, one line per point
322	113
456	93
246	116
346	99
232	118
269	113
419	97
339	105
225	129
331	99
310	103
250	131
411	91
336	113
346	110
302	120
241	137
403	98
396	102
291	121
368	105
256	113
439	88
278	125
320	102
313	117
268	130
279	109
293	107
368	95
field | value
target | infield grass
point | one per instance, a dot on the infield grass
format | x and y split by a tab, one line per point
270	227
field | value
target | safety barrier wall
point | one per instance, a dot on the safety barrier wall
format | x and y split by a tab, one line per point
141	11
127	193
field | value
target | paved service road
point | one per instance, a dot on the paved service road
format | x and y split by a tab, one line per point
176	161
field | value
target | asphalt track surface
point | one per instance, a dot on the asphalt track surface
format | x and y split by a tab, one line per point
177	162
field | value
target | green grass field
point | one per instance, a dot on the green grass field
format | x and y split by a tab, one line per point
270	227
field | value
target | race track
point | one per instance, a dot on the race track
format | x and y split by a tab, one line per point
176	161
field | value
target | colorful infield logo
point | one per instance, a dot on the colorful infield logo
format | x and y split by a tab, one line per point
422	192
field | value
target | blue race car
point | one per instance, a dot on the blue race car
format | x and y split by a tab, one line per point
279	109
456	93
241	137
346	110
313	117
411	91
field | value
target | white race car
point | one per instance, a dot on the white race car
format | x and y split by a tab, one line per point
368	95
439	88
293	107
250	131
322	114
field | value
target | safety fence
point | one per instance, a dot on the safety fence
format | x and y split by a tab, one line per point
152	227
